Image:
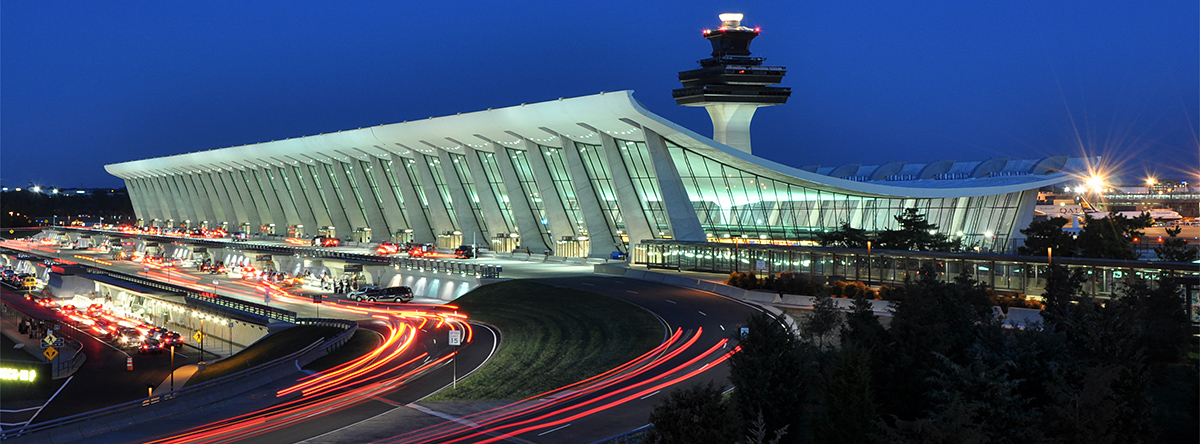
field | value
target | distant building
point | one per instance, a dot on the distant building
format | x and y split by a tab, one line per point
581	176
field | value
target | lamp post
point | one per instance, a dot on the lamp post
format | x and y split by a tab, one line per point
172	367
868	262
736	262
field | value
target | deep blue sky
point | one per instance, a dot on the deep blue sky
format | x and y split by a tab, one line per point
85	84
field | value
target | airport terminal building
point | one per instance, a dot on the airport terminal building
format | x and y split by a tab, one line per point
580	177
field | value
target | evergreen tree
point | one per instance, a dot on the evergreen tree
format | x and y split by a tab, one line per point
916	233
1112	237
771	374
1045	234
862	328
825	320
850	410
844	236
699	414
1175	248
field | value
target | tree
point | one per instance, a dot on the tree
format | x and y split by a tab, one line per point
862	328
850	410
1043	234
824	320
916	233
696	414
1175	248
771	376
1112	237
844	236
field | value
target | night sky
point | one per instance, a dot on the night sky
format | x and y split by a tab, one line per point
83	84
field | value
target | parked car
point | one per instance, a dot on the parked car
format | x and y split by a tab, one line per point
465	252
421	250
150	346
391	294
386	248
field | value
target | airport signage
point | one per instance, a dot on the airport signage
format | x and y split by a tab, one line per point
200	250
455	337
357	268
50	353
263	258
17	374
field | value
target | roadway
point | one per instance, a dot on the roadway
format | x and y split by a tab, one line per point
382	409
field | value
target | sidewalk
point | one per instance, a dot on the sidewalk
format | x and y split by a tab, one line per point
14	312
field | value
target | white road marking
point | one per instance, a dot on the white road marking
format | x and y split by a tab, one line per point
722	328
554	430
702	313
631	291
673	302
589	284
652	394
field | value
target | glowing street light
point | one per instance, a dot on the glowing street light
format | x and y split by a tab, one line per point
1096	183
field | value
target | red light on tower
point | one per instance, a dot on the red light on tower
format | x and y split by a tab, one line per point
757	30
706	31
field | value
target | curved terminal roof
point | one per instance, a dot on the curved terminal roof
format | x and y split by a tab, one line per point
621	116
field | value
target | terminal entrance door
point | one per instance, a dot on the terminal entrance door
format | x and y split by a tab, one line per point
505	242
267	229
362	234
295	231
570	246
327	232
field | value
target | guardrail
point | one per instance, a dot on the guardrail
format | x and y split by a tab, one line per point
204	297
185	399
449	267
60	368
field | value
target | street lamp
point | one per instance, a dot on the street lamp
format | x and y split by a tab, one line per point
736	261
868	262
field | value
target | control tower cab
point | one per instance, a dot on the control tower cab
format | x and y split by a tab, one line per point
731	84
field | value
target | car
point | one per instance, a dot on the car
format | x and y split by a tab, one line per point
386	248
150	346
400	294
421	250
325	241
465	252
128	337
238	236
171	339
361	291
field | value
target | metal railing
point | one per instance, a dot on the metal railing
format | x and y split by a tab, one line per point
449	267
203	297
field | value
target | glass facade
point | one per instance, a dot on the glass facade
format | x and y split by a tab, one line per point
529	186
410	168
468	183
641	171
560	174
321	196
349	171
598	174
386	165
491	170
439	182
730	201
337	189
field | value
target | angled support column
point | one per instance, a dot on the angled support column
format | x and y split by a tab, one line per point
685	224
528	225
393	212
420	224
603	237
433	196
343	220
492	213
135	197
560	224
241	199
380	230
466	215
273	188
636	224
296	187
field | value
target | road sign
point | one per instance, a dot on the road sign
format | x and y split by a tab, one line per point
50	353
316	299
455	337
216	282
49	339
745	331
198	336
59	342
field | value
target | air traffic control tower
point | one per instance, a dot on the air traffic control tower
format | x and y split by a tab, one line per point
731	85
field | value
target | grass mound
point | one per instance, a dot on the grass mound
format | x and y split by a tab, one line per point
551	337
265	350
360	343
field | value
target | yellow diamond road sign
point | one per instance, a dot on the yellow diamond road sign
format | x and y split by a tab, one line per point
198	336
50	353
49	339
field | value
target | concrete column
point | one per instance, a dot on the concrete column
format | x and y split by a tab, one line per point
556	213
224	206
421	225
181	196
313	195
380	229
293	186
685	224
393	213
636	225
267	212
205	201
603	238
338	213
135	197
239	201
467	223
274	189
528	225
167	208
492	212
437	207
